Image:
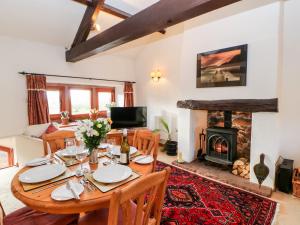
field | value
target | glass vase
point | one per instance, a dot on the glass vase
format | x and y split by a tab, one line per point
93	159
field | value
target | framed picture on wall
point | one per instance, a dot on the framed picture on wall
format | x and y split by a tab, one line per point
222	68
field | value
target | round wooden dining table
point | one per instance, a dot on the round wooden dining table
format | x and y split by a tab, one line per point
89	200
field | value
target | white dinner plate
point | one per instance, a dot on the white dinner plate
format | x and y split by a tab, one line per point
69	152
112	173
116	150
142	159
42	173
38	162
63	194
103	145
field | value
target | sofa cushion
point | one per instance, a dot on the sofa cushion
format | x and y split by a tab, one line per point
51	128
36	130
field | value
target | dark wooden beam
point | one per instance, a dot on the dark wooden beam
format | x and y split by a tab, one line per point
159	16
113	11
87	21
108	9
242	105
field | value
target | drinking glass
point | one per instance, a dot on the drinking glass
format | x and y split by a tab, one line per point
111	144
81	154
70	143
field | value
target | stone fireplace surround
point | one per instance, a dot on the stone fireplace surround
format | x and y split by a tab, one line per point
193	115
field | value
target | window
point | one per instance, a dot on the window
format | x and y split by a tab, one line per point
6	157
80	101
54	102
104	98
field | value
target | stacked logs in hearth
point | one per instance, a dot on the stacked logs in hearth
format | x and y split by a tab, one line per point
241	167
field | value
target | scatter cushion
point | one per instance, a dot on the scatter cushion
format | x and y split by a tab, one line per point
36	130
27	216
51	129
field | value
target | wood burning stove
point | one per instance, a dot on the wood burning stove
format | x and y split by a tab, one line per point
221	144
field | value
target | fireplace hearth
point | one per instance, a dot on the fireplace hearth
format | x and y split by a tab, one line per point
221	144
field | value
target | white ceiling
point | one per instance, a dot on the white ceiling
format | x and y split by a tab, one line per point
55	21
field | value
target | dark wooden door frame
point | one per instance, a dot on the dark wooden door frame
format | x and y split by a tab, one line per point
159	16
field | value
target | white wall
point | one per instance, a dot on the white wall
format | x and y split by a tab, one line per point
160	98
20	55
176	57
290	81
260	27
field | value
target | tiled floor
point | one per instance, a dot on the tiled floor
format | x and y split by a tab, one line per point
288	213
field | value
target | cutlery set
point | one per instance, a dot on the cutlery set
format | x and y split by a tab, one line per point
110	174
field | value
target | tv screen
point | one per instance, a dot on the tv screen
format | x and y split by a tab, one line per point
128	117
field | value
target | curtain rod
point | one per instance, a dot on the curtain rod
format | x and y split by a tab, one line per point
84	78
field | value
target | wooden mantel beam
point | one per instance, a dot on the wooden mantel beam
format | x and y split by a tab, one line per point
159	16
241	105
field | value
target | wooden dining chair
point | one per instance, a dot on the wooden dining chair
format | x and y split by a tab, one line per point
56	140
148	193
147	142
28	216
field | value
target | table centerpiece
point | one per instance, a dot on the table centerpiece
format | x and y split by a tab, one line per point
92	133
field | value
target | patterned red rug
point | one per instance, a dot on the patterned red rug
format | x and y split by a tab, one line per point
192	199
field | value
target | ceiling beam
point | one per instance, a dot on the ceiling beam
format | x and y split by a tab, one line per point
87	21
113	11
159	16
108	9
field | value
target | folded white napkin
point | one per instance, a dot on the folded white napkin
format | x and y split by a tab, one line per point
63	193
38	161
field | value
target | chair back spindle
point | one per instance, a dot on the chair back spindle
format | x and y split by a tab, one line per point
148	193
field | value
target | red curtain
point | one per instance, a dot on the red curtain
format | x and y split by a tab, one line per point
128	94
38	112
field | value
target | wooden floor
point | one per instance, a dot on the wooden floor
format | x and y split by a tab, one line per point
288	213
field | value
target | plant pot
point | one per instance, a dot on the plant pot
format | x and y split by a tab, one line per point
64	121
171	148
93	158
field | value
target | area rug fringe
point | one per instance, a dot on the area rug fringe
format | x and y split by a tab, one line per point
275	218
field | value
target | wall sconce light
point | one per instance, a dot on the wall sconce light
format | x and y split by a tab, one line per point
96	27
155	75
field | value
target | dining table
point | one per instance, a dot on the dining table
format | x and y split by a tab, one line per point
40	198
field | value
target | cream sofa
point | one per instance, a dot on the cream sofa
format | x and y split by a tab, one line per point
27	148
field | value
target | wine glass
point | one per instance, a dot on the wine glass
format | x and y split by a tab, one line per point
70	143
111	144
81	154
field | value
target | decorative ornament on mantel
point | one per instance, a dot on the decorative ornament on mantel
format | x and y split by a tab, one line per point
156	75
261	170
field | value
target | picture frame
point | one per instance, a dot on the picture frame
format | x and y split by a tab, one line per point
222	68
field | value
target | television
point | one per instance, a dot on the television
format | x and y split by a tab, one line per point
128	117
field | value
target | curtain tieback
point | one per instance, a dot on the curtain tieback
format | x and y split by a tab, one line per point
36	89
